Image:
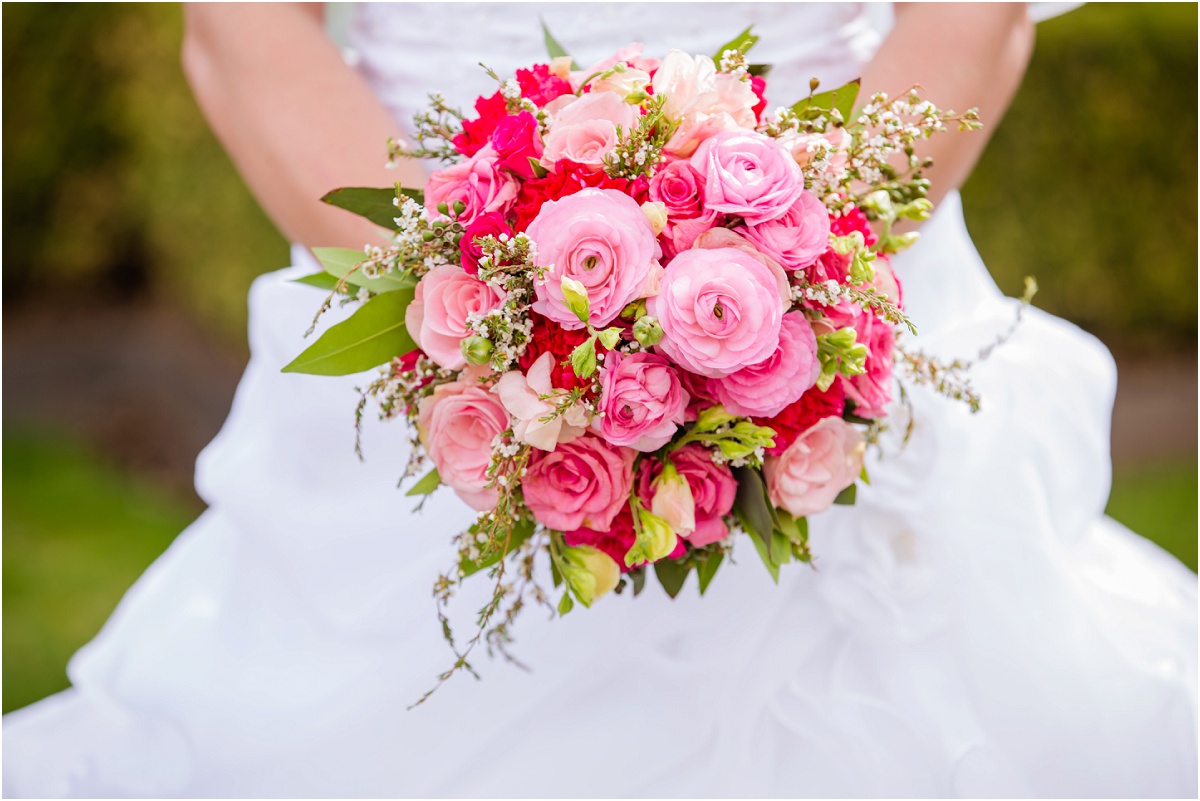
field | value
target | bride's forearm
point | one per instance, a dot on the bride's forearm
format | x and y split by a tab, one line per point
964	55
295	119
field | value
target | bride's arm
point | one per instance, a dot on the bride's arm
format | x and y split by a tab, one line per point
295	119
964	55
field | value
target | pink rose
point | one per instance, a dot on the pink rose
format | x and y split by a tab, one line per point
797	238
679	187
516	140
437	317
766	388
748	175
713	490
641	401
601	238
822	462
584	129
720	310
457	425
490	224
583	483
477	182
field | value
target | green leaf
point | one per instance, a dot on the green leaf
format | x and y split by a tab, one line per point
706	569
554	48
522	530
377	205
565	604
671	575
742	42
321	281
372	336
340	262
841	98
764	553
751	502
759	70
583	358
847	496
426	485
637	577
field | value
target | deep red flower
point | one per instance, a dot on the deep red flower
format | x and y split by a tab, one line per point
853	220
615	542
814	405
477	133
550	337
540	85
567	179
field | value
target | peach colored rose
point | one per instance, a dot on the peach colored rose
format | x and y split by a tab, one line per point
822	462
457	425
437	316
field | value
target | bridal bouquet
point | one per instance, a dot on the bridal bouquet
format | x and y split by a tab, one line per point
635	313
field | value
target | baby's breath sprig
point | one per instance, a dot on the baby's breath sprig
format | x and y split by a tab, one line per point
830	293
502	334
639	149
433	132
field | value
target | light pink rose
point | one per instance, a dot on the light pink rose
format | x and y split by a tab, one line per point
583	483
720	310
703	101
748	175
437	316
630	55
457	425
768	387
584	129
798	238
478	182
641	401
601	238
822	462
531	399
713	489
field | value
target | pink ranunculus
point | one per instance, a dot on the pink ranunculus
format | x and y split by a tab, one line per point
748	175
532	400
713	490
766	388
437	316
457	425
797	238
601	238
715	238
584	129
720	310
477	182
516	140
582	484
822	462
490	224
641	401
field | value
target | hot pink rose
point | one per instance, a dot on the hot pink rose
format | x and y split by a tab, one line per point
457	425
490	224
581	484
437	317
584	129
641	401
768	387
748	175
822	462
713	490
679	187
516	140
797	238
720	310
477	182
601	238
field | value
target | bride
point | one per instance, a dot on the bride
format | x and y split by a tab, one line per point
975	625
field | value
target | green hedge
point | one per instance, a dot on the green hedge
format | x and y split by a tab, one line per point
112	179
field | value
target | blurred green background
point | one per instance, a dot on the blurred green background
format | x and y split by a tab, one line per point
130	243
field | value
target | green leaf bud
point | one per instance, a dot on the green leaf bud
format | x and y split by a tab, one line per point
575	297
647	331
477	349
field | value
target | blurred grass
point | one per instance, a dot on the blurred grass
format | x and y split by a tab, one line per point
76	536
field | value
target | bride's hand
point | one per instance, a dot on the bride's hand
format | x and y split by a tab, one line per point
965	55
295	119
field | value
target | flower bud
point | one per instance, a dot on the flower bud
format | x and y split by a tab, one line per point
656	213
575	297
655	540
589	572
476	349
647	331
459	207
919	209
561	67
673	500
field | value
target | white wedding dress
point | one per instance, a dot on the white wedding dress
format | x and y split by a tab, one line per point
974	626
